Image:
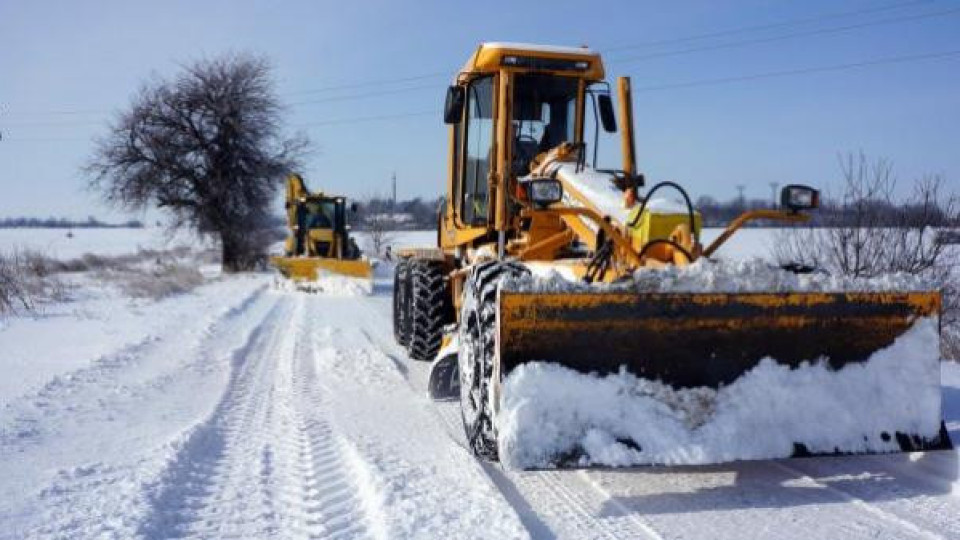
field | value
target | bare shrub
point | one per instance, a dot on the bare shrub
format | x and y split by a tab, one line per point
36	263
381	233
26	282
156	283
872	234
13	290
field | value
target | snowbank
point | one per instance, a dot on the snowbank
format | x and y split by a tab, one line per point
550	413
725	276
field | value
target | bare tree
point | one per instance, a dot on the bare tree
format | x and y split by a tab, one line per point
872	233
206	146
380	229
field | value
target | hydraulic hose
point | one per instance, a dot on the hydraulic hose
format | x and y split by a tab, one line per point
686	199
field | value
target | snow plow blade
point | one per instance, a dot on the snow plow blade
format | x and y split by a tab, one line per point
312	268
691	340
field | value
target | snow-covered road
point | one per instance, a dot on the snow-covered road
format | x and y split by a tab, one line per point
239	411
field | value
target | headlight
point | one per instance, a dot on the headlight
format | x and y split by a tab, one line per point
796	197
544	191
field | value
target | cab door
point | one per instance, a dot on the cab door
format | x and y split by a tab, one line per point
472	157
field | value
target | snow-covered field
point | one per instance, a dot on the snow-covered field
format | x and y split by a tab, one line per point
237	410
73	243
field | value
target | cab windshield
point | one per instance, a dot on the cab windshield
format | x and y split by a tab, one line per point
321	214
544	115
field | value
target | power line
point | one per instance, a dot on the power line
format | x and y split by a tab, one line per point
802	71
694	37
781	24
673	86
369	83
424	76
807	33
364	95
368	118
43	140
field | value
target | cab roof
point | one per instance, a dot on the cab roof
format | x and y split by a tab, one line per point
493	56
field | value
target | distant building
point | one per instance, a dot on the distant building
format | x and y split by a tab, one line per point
390	219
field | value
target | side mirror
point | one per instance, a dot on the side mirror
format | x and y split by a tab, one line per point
795	198
453	106
607	117
354	207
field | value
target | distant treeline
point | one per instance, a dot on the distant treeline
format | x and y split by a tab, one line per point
830	213
64	223
411	214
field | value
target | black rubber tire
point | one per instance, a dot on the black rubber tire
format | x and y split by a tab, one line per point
401	303
477	349
430	308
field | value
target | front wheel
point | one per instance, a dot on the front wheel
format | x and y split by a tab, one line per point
477	353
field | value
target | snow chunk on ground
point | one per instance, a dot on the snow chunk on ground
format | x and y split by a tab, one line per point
724	276
331	285
550	414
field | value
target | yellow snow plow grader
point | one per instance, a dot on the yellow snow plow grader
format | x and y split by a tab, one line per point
526	205
319	243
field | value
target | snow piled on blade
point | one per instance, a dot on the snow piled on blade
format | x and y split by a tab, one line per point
551	415
723	276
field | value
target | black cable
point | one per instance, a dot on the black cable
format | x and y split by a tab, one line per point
686	199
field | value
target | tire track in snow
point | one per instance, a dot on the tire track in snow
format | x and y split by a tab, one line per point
267	463
547	504
62	395
89	494
333	489
870	508
191	491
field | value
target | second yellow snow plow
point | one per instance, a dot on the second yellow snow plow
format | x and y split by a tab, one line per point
319	243
587	323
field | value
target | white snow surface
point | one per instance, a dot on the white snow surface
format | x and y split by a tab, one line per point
233	411
548	411
533	47
239	411
596	187
725	276
57	244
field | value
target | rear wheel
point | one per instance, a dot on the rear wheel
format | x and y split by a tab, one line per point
401	302
430	308
477	350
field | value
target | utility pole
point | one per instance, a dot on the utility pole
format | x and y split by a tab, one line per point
394	205
773	190
740	198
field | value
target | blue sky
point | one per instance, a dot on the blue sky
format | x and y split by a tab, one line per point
64	66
